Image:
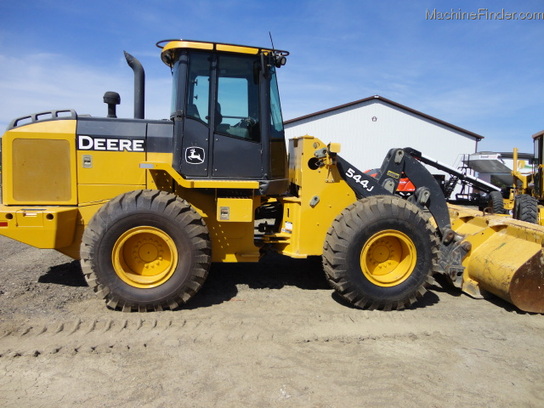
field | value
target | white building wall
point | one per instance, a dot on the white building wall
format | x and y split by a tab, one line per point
368	130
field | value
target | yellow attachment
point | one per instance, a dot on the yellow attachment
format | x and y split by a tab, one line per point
521	181
506	258
144	257
388	258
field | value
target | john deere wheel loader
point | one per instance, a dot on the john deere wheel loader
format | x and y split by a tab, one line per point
148	205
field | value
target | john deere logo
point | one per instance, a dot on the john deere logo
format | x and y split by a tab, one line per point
194	155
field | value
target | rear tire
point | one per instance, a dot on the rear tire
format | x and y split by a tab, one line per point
146	250
380	253
526	208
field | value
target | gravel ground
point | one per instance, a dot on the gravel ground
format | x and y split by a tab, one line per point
271	334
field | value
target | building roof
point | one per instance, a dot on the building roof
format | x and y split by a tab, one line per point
389	102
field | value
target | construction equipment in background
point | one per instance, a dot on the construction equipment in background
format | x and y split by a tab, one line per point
148	205
522	195
526	196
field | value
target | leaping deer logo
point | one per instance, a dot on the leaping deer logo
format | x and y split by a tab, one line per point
194	155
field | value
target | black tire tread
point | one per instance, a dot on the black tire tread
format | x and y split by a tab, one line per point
526	208
338	239
496	202
173	207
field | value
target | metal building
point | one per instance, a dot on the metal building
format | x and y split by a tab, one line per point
369	127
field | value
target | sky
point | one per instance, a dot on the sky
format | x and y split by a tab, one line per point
478	65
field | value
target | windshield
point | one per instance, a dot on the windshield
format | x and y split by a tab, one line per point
237	107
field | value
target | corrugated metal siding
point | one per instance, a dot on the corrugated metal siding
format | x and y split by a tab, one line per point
367	132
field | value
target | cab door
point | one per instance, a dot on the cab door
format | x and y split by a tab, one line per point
218	134
237	151
193	136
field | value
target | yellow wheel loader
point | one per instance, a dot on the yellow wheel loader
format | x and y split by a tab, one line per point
148	205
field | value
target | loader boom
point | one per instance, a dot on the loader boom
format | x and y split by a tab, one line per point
397	164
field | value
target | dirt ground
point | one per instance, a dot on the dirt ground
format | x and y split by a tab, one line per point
265	335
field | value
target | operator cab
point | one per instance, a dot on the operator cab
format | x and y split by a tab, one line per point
227	113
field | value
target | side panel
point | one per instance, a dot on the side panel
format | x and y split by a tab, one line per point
39	165
230	222
108	156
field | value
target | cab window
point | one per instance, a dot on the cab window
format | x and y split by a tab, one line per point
199	88
237	108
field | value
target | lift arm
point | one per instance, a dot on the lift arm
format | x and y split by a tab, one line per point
397	164
476	182
407	162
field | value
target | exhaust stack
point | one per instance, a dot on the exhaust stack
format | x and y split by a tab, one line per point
139	85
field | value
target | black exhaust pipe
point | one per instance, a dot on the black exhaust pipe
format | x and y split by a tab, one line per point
139	85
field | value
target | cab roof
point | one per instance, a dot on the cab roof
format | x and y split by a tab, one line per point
168	46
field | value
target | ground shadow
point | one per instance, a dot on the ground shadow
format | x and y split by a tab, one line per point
67	274
273	271
446	287
497	301
428	299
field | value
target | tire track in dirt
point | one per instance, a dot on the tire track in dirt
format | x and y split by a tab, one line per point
103	335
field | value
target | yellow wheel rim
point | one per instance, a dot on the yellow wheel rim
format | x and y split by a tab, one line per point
388	258
144	257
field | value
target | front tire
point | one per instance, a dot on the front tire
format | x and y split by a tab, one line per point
380	253
146	250
526	208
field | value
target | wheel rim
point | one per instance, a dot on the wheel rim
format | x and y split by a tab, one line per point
144	257
388	258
